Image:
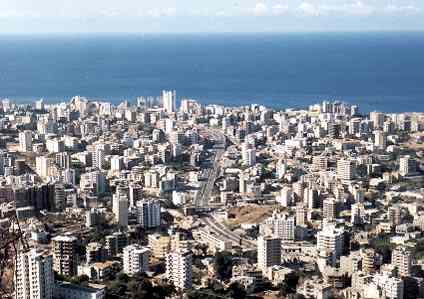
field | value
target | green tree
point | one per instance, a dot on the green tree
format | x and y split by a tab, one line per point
236	291
223	265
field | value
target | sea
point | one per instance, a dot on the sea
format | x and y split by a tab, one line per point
382	71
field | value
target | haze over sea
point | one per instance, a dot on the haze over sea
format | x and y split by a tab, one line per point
378	71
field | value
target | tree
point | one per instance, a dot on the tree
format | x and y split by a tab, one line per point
223	265
236	291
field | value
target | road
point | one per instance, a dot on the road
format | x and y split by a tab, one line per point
212	173
218	228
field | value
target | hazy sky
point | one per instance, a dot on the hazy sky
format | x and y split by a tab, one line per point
26	16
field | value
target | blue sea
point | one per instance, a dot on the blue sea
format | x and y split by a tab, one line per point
378	71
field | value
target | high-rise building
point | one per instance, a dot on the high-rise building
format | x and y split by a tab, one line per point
120	209
282	225
368	260
395	215
407	166
345	169
331	240
136	259
98	158
248	153
380	139
116	163
286	197
34	277
59	197
115	243
357	213
179	269
169	99
148	213
135	194
25	141
42	165
301	215
402	260
320	163
269	252
377	119
65	255
329	211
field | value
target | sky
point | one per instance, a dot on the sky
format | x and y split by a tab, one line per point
180	16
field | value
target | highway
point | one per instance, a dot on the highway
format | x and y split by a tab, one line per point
204	195
213	224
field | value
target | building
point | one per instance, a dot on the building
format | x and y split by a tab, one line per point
116	163
357	213
148	213
407	166
34	277
115	243
169	99
269	252
368	260
25	141
42	165
380	139
395	215
65	255
248	154
135	193
345	170
331	240
402	260
59	197
282	226
66	290
120	209
301	215
136	259
329	211
179	270
377	119
159	244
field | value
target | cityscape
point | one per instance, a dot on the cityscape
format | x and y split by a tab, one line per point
166	197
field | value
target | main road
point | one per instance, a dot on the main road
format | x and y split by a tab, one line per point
212	173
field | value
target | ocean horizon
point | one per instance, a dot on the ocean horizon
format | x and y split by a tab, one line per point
377	70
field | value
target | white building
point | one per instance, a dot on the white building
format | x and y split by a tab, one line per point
42	165
65	290
345	169
136	259
55	145
331	240
25	141
269	252
120	209
179	270
402	259
286	197
248	154
169	99
282	226
34	275
116	163
407	166
148	213
380	139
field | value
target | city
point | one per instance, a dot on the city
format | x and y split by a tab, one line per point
171	198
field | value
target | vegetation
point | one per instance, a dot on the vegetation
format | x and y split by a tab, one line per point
137	287
223	265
